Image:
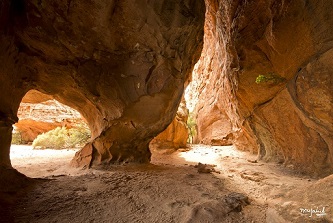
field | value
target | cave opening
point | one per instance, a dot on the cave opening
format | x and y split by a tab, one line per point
46	136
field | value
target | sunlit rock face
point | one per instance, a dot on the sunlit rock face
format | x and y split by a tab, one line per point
176	134
287	116
121	64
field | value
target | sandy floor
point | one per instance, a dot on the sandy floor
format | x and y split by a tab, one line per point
169	190
41	163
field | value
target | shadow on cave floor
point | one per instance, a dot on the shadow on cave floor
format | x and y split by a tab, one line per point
173	189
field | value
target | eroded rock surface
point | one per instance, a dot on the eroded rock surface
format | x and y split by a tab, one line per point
287	118
121	64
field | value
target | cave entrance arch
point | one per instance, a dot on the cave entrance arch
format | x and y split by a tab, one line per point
47	135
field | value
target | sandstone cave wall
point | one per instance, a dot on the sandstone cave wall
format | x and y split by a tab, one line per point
288	118
121	64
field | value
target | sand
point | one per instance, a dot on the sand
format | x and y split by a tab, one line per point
170	189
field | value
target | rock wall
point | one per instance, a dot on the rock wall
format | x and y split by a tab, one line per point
287	116
214	80
121	64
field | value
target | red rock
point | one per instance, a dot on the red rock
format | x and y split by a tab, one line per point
121	64
176	134
287	119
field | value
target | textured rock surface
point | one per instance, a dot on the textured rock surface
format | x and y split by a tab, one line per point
121	64
288	119
176	134
39	113
213	82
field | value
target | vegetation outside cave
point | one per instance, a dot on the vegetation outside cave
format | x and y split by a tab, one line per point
46	123
47	133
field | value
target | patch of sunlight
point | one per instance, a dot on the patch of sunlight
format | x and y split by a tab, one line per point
42	163
209	154
20	154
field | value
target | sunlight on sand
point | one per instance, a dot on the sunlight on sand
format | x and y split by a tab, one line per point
41	163
210	154
19	152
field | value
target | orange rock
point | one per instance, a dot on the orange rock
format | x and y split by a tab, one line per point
287	118
176	134
121	64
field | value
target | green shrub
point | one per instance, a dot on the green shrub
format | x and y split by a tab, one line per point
79	135
270	77
16	138
192	128
62	138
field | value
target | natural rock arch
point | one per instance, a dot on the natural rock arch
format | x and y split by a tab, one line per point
121	64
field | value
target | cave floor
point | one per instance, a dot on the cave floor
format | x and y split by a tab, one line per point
171	189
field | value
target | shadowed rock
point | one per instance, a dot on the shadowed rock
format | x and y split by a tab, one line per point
121	64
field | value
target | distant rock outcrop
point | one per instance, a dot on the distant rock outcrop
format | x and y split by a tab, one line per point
43	114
